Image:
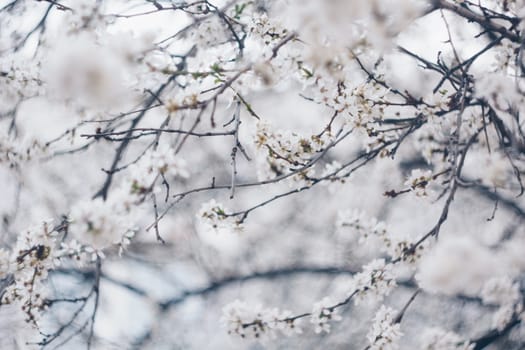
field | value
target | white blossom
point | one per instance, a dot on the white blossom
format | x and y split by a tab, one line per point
419	182
439	339
350	85
385	332
503	292
500	291
18	78
35	254
14	153
374	283
147	175
456	265
98	224
498	90
90	72
287	152
215	217
370	230
210	32
323	313
246	320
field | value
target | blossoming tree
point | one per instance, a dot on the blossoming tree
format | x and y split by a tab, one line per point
262	174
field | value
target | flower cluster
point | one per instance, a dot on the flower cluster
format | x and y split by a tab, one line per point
35	253
496	169
261	27
14	153
356	222
331	169
287	152
341	58
374	283
80	254
99	224
362	105
86	15
323	313
439	339
94	226
385	331
159	163
215	217
419	182
457	265
210	32
255	321
18	79
370	230
94	71
188	97
376	280
499	91
504	60
503	292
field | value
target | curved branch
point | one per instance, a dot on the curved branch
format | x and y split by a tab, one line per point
483	21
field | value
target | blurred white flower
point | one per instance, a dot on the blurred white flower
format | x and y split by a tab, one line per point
456	265
91	72
503	292
438	339
97	224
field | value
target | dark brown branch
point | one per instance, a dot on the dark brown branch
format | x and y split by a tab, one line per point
472	16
